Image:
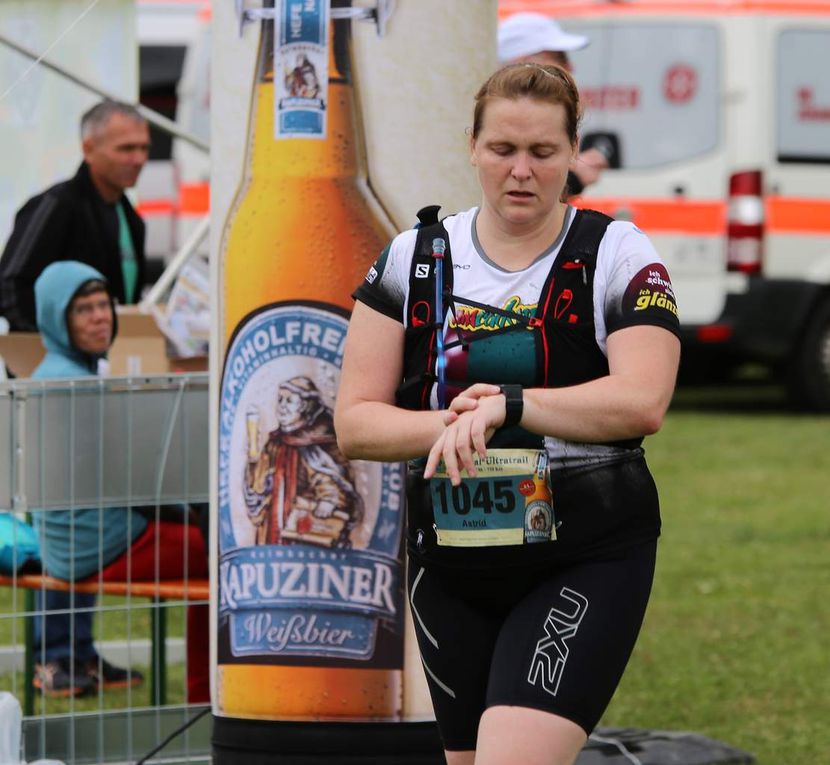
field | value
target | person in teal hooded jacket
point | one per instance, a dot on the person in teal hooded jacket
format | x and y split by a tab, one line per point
76	319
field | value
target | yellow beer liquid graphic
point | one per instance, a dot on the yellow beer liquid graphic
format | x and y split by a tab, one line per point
301	231
302	228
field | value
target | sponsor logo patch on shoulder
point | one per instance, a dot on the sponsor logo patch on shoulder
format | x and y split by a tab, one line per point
372	275
650	290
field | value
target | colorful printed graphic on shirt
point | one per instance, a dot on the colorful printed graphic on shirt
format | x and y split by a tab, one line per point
473	318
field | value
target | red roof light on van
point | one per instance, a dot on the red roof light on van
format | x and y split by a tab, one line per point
745	230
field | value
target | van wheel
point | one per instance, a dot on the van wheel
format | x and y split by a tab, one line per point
809	380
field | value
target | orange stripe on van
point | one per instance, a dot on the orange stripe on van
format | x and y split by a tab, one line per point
150	207
791	214
653	215
194	198
587	9
783	214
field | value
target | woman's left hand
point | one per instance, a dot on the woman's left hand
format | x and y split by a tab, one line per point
468	398
481	410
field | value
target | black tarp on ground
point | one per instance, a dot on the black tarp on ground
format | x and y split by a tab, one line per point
639	746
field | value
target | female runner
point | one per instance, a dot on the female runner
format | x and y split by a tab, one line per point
532	516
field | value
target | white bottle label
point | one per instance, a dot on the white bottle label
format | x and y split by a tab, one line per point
309	542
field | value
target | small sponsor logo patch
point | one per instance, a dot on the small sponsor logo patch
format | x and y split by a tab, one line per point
650	290
372	275
527	487
421	270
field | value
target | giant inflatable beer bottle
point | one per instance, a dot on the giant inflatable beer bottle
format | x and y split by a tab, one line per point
310	621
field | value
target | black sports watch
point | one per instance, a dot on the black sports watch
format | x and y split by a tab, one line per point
514	404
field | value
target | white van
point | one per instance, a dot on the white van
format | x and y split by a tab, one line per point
720	114
174	80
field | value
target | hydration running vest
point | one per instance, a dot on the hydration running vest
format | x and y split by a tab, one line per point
565	344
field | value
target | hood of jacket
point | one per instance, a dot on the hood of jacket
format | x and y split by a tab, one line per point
54	290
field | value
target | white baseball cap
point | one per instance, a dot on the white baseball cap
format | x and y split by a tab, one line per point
524	34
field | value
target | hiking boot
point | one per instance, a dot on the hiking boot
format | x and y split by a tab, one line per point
54	679
102	674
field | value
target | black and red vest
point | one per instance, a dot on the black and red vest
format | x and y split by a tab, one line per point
563	325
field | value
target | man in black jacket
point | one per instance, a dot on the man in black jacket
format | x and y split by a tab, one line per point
87	218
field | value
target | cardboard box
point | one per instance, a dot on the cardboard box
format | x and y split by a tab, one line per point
22	352
140	348
190	364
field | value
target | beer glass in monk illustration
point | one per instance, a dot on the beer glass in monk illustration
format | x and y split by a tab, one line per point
252	427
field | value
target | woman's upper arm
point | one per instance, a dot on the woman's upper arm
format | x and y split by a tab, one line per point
646	356
373	358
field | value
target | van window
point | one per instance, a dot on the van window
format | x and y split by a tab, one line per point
159	70
654	85
803	97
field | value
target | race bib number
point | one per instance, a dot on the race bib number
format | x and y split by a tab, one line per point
509	502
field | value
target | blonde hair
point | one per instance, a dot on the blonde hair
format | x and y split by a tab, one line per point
547	83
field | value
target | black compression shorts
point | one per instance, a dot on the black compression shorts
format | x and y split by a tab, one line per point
556	640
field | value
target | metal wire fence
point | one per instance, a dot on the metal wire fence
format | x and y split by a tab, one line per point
112	473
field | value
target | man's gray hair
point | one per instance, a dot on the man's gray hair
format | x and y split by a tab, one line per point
98	116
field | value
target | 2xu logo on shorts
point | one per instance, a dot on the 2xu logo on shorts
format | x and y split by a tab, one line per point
551	652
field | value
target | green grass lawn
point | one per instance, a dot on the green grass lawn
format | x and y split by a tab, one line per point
735	644
114	623
109	700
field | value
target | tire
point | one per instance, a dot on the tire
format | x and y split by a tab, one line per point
809	377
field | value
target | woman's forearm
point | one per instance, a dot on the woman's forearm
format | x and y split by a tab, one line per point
628	403
607	409
373	430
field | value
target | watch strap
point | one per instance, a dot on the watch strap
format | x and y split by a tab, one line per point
514	404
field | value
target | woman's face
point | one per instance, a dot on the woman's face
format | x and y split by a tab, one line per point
522	154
